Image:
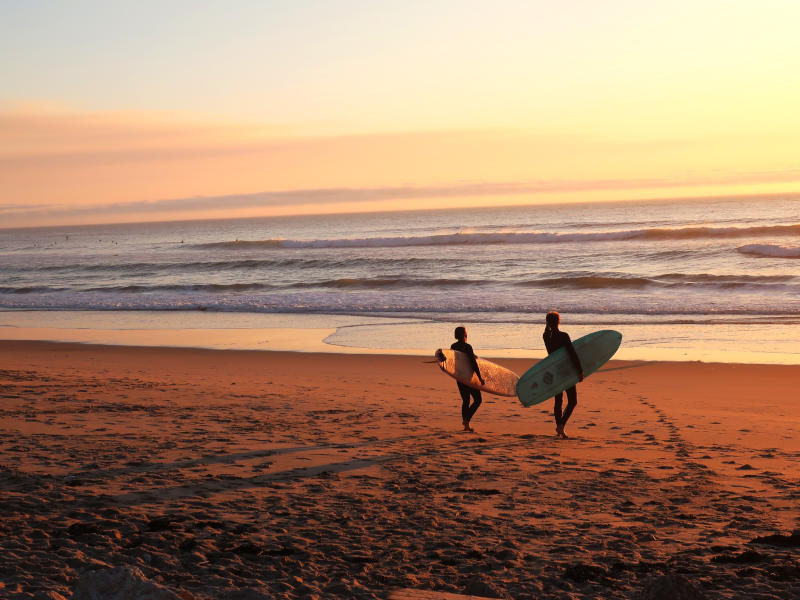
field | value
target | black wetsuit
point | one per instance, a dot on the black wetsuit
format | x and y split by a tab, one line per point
467	411
553	340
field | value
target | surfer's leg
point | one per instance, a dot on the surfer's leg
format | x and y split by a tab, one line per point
572	402
559	399
476	396
465	398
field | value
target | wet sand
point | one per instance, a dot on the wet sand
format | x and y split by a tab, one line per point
235	474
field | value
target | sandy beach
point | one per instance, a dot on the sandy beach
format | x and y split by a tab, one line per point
247	475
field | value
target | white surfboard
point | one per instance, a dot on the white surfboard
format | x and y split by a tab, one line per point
497	380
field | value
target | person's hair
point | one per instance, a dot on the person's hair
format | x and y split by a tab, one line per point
552	319
460	332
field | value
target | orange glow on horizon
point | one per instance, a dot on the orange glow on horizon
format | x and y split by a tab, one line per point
130	169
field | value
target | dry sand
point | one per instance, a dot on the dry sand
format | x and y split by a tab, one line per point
226	474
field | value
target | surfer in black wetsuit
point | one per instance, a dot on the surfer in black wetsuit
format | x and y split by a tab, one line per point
554	339
467	411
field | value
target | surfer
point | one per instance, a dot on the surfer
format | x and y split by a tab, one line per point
467	410
554	339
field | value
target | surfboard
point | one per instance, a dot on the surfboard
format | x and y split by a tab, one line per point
556	373
498	380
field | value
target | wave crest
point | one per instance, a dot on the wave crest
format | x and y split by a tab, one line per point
511	237
770	250
668	280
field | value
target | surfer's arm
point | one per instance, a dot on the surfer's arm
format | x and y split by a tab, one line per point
475	366
575	360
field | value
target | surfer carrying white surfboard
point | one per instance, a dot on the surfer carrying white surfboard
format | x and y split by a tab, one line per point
554	339
467	410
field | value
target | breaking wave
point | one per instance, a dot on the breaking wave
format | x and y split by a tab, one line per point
770	250
624	281
576	281
519	237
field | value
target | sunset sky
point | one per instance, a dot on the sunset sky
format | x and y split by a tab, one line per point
128	111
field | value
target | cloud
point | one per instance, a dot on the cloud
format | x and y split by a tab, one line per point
30	135
322	197
61	167
24	208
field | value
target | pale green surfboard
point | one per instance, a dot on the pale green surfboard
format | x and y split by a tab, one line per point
556	373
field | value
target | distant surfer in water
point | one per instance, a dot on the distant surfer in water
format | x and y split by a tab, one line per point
467	410
554	339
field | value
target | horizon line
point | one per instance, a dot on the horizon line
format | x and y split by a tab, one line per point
651	199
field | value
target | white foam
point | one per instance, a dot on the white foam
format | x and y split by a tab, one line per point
771	250
515	237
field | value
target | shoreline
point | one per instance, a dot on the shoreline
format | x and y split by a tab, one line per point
364	353
729	343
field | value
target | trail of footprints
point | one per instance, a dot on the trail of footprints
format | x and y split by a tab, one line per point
735	513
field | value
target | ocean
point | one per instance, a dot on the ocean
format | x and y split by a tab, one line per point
702	279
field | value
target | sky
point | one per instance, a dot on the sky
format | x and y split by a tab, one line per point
131	111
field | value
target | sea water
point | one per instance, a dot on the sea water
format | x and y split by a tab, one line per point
701	279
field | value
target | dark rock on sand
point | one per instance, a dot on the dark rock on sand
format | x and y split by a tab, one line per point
81	528
580	572
781	541
162	523
671	587
248	549
476	587
746	557
789	572
120	583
